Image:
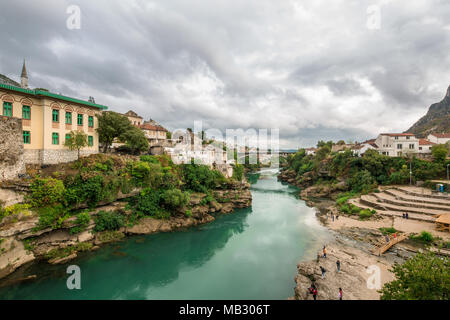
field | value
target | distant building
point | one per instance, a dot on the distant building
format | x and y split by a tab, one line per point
361	148
439	138
341	147
47	119
425	146
134	118
310	151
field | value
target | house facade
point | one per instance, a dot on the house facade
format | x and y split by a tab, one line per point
439	138
47	119
397	144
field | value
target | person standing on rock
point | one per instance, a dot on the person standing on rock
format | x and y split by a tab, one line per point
340	294
332	217
338	265
314	293
323	271
324	251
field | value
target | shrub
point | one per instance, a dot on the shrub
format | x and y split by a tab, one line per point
15	209
150	159
386	231
147	203
53	217
424	237
423	277
81	222
46	192
175	198
365	214
200	178
108	220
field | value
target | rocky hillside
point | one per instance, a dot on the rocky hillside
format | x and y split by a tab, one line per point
437	118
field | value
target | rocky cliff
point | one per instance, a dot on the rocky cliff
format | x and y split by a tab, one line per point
437	119
11	148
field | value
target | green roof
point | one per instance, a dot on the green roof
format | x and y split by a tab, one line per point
42	93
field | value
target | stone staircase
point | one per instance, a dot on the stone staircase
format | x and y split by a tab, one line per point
420	204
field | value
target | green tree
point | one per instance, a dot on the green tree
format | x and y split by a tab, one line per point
77	141
135	140
423	277
439	153
111	125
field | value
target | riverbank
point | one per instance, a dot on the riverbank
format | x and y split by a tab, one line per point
352	243
60	211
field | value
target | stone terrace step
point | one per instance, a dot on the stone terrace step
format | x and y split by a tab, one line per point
421	192
405	197
388	198
372	201
412	216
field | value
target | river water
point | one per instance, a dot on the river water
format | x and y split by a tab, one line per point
249	254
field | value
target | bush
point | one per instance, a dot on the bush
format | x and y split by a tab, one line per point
147	203
386	231
108	220
15	209
200	178
424	237
423	277
175	198
81	222
365	214
46	192
53	217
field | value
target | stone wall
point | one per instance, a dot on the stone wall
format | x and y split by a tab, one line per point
61	156
11	148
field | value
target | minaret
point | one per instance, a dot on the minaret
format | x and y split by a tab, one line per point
24	77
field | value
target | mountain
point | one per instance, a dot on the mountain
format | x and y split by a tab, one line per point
436	120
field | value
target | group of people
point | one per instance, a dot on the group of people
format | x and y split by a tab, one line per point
313	288
405	215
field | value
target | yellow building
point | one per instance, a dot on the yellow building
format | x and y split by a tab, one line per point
47	119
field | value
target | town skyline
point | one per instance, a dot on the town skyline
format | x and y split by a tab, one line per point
194	67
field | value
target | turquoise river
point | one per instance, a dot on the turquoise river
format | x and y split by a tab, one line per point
249	254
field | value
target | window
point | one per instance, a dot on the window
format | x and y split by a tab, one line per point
90	141
26	137
55	115
80	119
55	138
396	138
420	148
67	137
91	121
411	145
400	146
407	138
7	109
68	117
26	112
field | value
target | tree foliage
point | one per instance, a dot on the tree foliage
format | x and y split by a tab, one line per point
77	141
111	125
423	277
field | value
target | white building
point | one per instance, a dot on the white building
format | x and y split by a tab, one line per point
425	146
362	148
397	144
310	151
439	138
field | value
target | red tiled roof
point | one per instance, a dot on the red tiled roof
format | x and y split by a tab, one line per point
398	134
147	126
441	135
425	142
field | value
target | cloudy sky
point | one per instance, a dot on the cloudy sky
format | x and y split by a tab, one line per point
314	69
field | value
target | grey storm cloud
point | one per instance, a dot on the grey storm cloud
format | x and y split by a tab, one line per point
313	69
